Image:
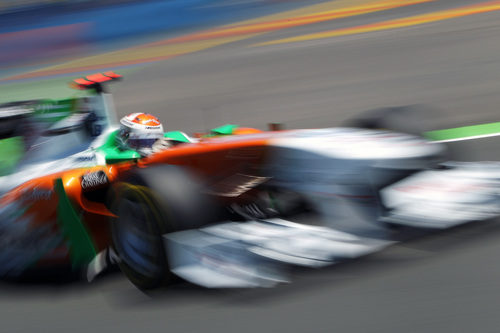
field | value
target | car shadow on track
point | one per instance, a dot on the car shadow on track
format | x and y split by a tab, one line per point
419	247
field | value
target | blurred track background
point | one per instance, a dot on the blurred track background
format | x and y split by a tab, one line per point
305	64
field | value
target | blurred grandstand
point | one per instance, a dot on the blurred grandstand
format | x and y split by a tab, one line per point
11	6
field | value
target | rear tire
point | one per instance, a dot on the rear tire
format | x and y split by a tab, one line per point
411	119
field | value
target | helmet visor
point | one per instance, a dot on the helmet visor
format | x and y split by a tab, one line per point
141	143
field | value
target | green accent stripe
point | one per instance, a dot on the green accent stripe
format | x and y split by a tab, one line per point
176	136
463	132
113	153
82	249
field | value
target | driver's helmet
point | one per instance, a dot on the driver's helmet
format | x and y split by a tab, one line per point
139	131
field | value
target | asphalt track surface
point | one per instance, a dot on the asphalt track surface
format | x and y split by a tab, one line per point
447	282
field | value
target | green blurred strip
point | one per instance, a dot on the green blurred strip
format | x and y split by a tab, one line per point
54	110
11	151
464	132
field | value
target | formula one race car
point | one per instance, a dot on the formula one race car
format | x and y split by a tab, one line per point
216	210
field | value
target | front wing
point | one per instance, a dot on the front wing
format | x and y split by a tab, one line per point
256	253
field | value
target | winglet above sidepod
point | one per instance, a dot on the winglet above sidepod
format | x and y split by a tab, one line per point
95	81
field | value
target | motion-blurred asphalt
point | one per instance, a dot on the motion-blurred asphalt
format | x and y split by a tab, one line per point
447	282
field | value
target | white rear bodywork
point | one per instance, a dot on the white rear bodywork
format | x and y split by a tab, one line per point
339	172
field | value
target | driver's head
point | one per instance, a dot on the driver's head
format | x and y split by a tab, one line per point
139	131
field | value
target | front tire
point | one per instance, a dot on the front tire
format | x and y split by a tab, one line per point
136	235
150	203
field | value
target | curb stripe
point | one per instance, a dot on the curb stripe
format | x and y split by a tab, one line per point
465	133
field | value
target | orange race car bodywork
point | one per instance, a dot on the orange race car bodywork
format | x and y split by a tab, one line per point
71	219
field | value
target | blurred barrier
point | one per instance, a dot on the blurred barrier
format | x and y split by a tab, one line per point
117	18
56	25
10	6
16	5
42	43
